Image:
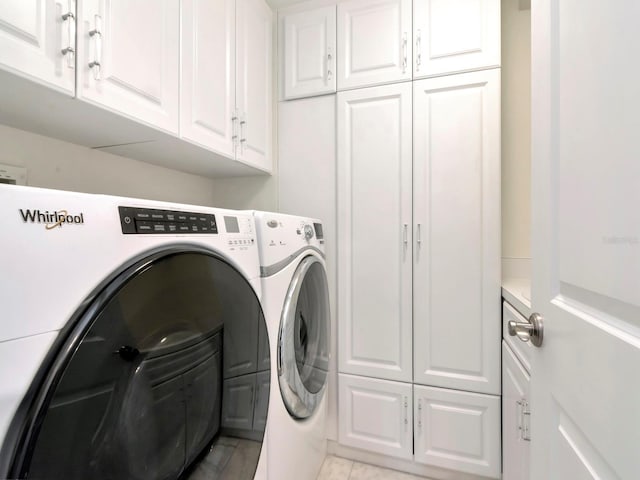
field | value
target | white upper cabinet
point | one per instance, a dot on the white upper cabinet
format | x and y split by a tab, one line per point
37	41
374	210
374	42
208	82
457	232
254	44
453	36
128	58
308	53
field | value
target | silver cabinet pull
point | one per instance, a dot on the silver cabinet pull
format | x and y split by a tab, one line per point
405	236
329	64
406	413
234	128
531	331
419	235
418	50
96	34
243	138
420	415
404	52
69	51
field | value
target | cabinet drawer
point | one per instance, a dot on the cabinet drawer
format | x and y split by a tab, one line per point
376	415
521	349
457	430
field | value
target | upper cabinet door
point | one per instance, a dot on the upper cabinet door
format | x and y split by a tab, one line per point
309	53
374	210
254	43
35	38
208	82
128	58
453	36
457	232
374	42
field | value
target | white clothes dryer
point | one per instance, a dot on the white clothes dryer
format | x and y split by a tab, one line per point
296	304
122	321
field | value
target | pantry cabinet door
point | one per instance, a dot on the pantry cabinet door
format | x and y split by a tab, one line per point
208	82
374	42
254	27
309	53
128	58
452	36
457	296
457	430
34	38
376	415
374	231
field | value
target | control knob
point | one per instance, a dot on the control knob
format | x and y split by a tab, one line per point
308	232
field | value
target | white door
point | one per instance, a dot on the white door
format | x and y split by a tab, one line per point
376	415
455	36
35	38
374	231
128	58
254	40
374	42
208	82
585	384
309	59
516	417
457	231
457	430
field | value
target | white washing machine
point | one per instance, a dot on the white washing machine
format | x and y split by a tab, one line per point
296	304
121	321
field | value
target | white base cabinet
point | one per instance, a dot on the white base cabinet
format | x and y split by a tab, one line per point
457	430
516	416
376	415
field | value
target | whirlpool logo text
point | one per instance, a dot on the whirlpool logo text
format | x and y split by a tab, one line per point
52	220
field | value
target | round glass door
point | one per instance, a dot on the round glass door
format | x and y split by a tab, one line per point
147	389
303	345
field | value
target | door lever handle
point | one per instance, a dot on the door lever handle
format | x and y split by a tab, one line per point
531	331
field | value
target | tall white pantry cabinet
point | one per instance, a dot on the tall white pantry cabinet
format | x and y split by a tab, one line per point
418	203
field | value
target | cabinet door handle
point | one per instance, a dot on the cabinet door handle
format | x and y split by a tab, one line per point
243	138
419	235
234	128
418	50
69	51
405	235
329	64
406	413
404	52
420	415
96	34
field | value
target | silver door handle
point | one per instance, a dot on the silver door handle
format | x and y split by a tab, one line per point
96	34
531	331
418	52
243	138
69	51
405	236
419	235
404	52
329	64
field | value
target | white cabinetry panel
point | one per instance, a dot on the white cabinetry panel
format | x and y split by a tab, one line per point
33	35
254	26
374	212
376	415
457	430
457	217
516	415
374	42
208	82
309	52
128	58
452	36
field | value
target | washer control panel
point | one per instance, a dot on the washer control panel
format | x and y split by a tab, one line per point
151	221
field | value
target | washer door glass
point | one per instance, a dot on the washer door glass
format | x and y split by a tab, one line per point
146	383
303	346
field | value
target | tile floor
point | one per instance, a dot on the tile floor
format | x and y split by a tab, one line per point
229	459
336	468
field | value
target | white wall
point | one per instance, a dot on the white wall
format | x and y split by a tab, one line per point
516	129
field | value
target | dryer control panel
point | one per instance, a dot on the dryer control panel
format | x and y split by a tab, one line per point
152	221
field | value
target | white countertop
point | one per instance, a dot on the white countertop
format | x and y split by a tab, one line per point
517	291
